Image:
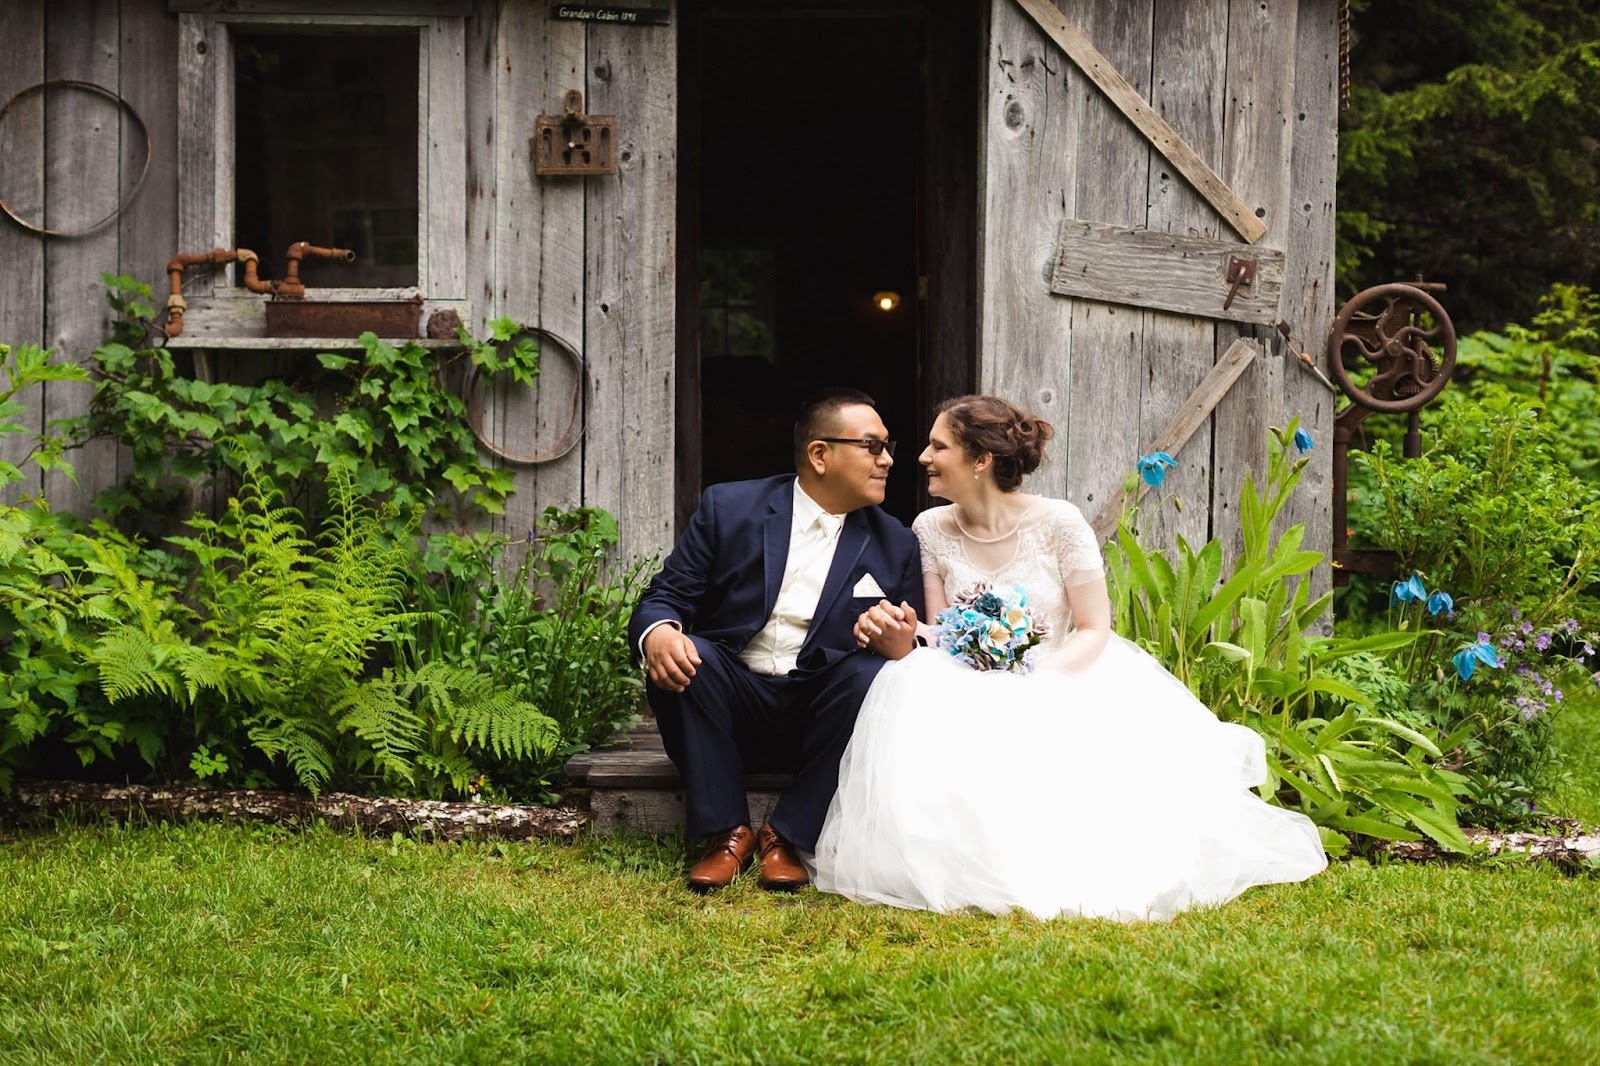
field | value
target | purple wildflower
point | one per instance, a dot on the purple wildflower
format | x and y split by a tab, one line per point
1527	627
1483	638
1570	625
1523	668
1542	642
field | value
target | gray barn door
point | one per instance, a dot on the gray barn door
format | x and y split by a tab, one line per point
1116	187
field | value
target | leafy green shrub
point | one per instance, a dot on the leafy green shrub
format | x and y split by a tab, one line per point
1242	646
1496	699
1502	512
1492	514
259	641
552	631
42	630
394	427
1555	363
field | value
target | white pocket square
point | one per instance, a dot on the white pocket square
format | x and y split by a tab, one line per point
867	586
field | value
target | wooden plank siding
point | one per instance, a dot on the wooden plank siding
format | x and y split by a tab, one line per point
83	158
539	250
1308	302
148	229
443	173
1256	148
22	278
1030	153
1190	48
631	297
1102	430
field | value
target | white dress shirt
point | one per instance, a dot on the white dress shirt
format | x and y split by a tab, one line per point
813	536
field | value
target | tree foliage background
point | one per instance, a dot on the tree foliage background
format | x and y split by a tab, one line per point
1470	152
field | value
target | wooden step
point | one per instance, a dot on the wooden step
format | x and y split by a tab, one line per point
634	786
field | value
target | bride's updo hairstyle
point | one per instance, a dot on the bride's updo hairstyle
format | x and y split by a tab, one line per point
989	424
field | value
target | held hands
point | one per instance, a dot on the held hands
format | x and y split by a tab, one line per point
670	658
888	630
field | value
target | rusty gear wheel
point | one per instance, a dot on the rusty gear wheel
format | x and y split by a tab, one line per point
1405	334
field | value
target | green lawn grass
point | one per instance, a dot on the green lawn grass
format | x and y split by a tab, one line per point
207	943
1577	738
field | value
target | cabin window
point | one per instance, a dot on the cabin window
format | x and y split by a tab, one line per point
737	296
325	135
342	129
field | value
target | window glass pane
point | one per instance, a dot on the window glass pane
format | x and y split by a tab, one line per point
326	152
738	291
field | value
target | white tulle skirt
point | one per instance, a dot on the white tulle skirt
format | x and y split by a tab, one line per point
1111	793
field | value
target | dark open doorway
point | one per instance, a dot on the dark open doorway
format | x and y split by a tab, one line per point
827	157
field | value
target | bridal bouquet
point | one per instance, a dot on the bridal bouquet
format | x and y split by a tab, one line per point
990	630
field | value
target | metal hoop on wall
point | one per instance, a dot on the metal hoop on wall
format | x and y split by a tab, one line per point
570	436
87	86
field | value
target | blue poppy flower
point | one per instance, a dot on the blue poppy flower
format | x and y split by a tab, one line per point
1303	441
1408	591
1153	467
1440	601
1467	659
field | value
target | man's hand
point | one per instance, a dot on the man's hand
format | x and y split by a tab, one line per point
670	658
888	630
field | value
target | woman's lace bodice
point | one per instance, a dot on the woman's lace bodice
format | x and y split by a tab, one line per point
1052	549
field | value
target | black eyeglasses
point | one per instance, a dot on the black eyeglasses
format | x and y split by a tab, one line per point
873	445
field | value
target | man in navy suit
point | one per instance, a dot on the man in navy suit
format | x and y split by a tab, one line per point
747	635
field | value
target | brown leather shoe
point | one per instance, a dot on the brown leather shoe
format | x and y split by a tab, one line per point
726	854
780	866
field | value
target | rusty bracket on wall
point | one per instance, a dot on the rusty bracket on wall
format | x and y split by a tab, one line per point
1241	273
574	144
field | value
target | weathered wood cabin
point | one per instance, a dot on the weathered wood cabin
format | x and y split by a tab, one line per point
915	197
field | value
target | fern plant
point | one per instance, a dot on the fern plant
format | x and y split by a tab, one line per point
550	632
297	622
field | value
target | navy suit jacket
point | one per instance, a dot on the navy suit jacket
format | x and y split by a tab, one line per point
722	577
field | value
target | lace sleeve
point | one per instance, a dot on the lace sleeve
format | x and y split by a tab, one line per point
926	527
1076	550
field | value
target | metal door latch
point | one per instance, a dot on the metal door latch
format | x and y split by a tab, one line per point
574	143
1241	272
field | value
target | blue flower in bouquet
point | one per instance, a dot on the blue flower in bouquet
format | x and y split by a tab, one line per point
1467	659
1303	442
989	604
1153	467
990	630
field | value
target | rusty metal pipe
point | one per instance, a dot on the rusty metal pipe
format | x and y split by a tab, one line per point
291	287
251	282
176	305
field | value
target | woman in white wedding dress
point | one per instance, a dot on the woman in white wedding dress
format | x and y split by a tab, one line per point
1096	785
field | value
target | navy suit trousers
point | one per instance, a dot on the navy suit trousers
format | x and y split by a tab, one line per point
730	720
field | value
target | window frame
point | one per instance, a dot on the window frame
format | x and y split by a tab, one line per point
206	137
